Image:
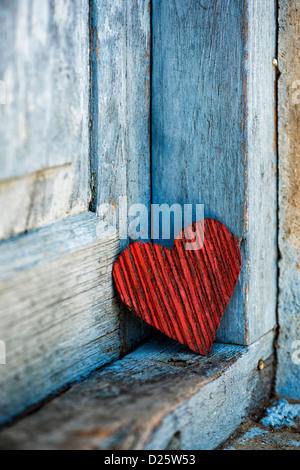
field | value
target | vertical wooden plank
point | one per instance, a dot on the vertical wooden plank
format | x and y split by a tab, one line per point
49	94
120	109
288	373
121	102
44	48
205	148
261	154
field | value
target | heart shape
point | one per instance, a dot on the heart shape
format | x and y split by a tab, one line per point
183	293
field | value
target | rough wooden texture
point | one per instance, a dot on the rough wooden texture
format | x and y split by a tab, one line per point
213	130
120	110
59	316
44	48
288	376
181	292
121	104
162	396
38	199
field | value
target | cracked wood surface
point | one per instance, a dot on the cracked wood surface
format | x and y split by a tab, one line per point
162	396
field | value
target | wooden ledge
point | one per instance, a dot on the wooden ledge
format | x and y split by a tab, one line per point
162	396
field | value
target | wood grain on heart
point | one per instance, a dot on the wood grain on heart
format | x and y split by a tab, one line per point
183	293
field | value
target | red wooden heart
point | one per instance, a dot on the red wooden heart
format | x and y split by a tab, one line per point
182	293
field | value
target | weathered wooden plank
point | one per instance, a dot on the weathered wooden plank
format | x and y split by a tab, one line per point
288	375
120	110
213	129
261	153
38	199
162	396
44	48
59	317
121	103
45	70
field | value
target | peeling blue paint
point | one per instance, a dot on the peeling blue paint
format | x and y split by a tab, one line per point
253	432
282	414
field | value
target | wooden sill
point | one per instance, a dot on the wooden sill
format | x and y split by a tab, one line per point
162	396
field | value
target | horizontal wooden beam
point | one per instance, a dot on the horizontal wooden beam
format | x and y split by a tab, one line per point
162	396
59	315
